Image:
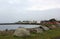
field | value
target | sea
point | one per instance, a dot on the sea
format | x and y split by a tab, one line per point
9	27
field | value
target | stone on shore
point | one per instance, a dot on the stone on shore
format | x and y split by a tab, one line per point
52	27
38	30
35	30
44	28
58	24
21	32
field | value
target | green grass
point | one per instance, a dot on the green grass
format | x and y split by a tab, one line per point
45	35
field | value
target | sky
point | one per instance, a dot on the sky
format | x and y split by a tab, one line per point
15	10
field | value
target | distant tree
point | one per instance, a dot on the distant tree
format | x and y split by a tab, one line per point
18	22
52	20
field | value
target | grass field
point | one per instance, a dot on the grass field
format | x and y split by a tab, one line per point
45	35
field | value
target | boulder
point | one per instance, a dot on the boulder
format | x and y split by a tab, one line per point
39	30
32	30
44	28
58	24
35	30
21	32
52	27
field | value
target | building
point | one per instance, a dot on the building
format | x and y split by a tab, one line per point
29	21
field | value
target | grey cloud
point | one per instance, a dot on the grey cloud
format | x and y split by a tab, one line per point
17	11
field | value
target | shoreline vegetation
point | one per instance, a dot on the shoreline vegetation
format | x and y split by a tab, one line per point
52	33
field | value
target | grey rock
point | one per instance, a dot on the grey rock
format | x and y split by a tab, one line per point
52	26
58	24
21	32
44	27
38	30
35	30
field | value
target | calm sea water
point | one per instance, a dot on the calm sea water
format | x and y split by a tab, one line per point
3	27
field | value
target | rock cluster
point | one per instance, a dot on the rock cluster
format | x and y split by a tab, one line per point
27	31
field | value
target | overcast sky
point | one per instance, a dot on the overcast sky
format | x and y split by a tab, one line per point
15	10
